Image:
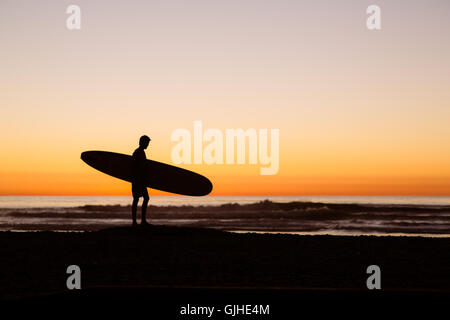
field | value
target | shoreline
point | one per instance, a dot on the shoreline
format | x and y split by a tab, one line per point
294	233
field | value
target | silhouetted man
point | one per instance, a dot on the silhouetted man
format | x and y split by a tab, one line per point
138	185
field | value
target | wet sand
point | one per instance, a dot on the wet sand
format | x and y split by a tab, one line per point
159	263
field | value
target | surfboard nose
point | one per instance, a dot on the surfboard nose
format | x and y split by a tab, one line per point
209	187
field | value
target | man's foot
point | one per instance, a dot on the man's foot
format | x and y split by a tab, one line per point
134	224
144	223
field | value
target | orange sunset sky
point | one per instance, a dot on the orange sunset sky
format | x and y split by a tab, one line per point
359	112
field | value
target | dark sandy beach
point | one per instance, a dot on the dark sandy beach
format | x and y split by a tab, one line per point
184	264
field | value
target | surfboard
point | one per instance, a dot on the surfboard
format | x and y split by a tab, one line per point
160	176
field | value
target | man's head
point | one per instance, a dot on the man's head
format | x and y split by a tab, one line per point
144	141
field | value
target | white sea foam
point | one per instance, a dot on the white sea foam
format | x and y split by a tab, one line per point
311	215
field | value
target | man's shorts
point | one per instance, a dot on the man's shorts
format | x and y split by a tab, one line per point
139	190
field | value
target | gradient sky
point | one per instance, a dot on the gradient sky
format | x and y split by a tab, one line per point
359	112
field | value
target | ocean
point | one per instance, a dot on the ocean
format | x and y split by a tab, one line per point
306	215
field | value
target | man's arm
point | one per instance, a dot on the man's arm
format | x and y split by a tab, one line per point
139	166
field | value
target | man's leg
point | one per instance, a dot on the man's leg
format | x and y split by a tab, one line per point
144	208
134	209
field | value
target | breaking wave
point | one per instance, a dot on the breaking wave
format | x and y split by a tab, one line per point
264	216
